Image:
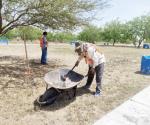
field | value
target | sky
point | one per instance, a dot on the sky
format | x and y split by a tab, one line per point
124	10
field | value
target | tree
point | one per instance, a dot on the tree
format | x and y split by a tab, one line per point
112	32
31	33
53	14
64	37
90	34
125	34
140	29
24	34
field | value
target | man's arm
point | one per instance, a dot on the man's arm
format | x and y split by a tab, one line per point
79	59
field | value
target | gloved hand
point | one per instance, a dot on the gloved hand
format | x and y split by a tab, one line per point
77	63
92	70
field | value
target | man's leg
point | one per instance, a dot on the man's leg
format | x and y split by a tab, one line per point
99	73
45	55
42	56
89	79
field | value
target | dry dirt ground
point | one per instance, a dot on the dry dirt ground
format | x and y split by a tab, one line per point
18	91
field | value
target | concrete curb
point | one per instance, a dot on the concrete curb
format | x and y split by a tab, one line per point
135	111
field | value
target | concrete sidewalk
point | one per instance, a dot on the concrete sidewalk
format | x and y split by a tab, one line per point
135	111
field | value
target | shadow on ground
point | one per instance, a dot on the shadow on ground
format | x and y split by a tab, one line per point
62	101
13	70
13	75
140	73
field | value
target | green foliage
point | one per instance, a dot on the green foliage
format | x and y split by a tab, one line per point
113	32
11	34
52	14
90	34
117	32
33	33
64	36
50	37
29	33
61	37
125	35
140	26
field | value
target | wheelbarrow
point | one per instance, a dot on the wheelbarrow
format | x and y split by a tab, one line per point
56	86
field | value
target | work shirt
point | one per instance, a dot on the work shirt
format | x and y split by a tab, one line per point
92	56
44	42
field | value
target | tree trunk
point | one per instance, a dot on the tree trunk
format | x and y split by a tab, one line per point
26	52
1	23
114	42
140	41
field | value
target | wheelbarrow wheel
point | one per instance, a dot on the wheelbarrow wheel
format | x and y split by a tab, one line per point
48	98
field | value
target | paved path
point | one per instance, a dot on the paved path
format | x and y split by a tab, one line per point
135	111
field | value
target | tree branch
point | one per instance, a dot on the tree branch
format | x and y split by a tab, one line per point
14	21
15	26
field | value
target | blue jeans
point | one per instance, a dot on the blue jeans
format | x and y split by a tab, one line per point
44	55
99	73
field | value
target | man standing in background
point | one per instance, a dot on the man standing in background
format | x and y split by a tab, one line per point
44	45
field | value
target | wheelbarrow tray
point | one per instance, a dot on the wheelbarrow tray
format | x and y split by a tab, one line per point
53	79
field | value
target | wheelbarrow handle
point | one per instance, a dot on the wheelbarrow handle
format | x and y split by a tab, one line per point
73	67
70	70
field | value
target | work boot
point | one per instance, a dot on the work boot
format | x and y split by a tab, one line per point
97	94
98	91
86	87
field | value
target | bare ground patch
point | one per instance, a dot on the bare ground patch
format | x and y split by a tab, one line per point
18	90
